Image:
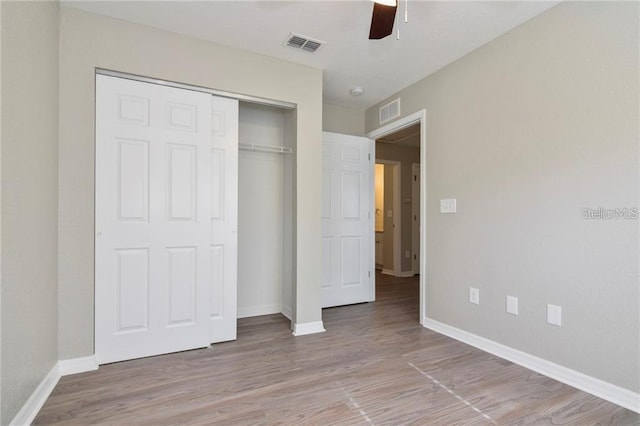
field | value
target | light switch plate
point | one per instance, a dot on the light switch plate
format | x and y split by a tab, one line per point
512	305
448	205
474	296
554	315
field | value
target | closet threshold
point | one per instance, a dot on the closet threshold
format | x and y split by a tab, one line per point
265	148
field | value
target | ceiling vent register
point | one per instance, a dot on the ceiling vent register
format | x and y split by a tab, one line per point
304	43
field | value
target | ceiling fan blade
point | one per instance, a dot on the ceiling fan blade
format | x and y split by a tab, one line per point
382	21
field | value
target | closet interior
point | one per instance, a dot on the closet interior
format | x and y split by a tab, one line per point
266	220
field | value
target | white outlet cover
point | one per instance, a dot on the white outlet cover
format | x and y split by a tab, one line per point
554	315
512	305
448	205
474	296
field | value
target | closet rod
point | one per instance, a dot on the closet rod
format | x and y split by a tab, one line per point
265	148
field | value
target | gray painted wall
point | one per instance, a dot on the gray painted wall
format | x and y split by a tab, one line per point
526	132
339	119
29	220
88	41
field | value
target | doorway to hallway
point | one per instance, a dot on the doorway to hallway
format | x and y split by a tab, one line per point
410	129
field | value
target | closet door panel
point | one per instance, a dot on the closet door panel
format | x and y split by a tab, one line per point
224	219
152	219
217	310
218	171
133	179
181	176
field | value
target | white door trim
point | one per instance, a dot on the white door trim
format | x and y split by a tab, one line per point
403	123
372	219
397	216
415	209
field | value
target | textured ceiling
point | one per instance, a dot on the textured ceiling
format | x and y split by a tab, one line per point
437	33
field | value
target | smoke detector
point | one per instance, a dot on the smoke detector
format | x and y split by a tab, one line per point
357	91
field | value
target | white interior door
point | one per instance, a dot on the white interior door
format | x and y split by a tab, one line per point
153	219
347	249
224	219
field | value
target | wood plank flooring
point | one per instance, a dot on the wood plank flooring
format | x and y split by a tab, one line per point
375	365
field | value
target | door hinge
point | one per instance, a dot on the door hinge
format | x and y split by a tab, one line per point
414	178
369	155
369	272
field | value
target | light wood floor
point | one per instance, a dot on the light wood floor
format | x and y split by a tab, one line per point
374	365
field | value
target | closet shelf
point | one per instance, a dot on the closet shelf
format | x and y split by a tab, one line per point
265	148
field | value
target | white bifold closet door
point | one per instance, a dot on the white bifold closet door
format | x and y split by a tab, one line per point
155	267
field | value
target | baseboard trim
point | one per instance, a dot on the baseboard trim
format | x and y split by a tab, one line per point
77	365
256	311
30	409
610	392
302	329
401	274
287	312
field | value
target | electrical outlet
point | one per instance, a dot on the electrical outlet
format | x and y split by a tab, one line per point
407	254
554	315
474	296
512	305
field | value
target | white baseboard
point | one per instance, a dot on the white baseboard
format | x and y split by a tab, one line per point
77	365
401	274
612	393
256	311
287	312
302	329
30	409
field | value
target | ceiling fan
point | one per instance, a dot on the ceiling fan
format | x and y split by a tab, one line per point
383	18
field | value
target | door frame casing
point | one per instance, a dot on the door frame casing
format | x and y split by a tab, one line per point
397	216
415	209
419	117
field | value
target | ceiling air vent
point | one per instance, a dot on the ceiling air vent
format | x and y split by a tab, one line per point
301	42
390	111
